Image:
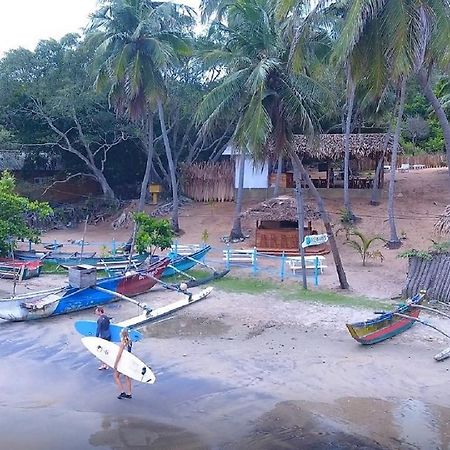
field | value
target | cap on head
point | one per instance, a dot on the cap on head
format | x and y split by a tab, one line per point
99	310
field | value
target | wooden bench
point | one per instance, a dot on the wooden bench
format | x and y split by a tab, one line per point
187	249
418	166
295	263
247	256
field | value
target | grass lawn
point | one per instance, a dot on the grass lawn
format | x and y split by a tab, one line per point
288	291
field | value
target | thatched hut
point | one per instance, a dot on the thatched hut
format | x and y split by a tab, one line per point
277	226
323	153
442	225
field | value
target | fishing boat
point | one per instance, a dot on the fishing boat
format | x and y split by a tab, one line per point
67	259
116	262
19	270
67	299
182	263
387	324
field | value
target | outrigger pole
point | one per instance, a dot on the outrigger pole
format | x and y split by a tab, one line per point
405	316
144	306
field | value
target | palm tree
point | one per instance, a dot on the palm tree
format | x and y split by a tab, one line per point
139	41
262	85
403	27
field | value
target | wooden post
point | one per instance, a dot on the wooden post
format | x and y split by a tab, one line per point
283	260
113	247
254	261
227	262
316	271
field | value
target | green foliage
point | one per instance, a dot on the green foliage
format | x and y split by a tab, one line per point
347	217
362	245
413	253
13	214
152	233
205	235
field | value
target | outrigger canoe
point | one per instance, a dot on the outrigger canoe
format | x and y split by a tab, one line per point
67	299
387	324
19	270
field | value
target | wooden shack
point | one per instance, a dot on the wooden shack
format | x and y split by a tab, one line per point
277	226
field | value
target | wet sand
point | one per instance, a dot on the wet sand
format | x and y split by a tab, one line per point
233	372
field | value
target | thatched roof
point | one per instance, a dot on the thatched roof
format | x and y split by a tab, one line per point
331	146
279	208
442	225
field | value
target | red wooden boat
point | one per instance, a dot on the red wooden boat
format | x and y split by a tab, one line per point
19	270
387	325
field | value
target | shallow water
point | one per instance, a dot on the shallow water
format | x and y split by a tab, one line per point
53	397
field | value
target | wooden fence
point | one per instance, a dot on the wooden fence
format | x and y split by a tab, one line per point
208	181
431	275
435	160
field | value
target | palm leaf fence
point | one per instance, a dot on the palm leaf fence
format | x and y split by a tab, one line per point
208	181
430	274
442	225
429	161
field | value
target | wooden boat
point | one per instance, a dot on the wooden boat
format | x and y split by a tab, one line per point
388	324
68	299
183	263
117	262
67	259
19	270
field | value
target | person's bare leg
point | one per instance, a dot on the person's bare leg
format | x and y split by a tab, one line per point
128	385
118	382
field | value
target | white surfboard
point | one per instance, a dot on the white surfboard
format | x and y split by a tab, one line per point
129	364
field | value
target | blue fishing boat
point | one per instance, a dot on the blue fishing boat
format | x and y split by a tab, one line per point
67	299
182	263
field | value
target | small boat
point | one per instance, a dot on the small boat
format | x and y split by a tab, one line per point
183	263
387	324
19	270
116	262
67	259
67	299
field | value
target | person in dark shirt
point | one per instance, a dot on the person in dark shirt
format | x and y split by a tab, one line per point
103	330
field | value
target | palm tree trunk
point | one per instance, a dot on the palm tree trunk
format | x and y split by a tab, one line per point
173	177
326	221
300	220
438	110
236	230
394	241
148	167
278	178
376	191
351	87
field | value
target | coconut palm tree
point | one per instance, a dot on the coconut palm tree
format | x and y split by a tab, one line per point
403	27
271	96
138	41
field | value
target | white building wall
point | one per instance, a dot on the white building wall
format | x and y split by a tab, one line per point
256	175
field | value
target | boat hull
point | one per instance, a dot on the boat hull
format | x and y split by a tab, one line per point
12	269
386	325
184	263
71	299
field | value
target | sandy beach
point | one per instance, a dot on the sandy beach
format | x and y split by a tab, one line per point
235	371
239	371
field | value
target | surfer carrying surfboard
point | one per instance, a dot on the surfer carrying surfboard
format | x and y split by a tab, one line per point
125	344
103	330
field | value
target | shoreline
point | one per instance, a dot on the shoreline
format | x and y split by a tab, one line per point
233	371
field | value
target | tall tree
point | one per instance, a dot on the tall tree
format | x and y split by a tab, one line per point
403	27
271	91
139	40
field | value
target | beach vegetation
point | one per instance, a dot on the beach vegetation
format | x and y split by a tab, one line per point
17	214
152	233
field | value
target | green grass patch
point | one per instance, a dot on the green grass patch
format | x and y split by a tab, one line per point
287	291
56	269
